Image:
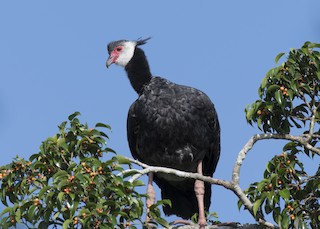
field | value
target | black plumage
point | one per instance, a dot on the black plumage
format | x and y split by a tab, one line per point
173	126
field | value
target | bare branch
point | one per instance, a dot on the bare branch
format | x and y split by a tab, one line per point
313	121
305	100
234	187
234	184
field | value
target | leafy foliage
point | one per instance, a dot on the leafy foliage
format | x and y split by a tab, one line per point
67	184
289	92
289	97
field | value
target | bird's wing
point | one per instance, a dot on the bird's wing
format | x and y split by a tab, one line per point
132	131
212	157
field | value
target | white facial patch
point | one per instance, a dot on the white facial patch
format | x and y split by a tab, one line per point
126	54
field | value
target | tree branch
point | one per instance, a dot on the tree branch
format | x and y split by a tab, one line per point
234	184
234	187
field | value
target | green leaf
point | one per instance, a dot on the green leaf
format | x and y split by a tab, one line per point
62	143
278	96
56	215
285	194
62	126
270	166
278	57
60	196
43	225
7	209
163	222
264	82
314	45
290	146
60	175
66	223
276	215
138	183
33	156
318	75
272	89
285	220
43	191
99	124
240	204
164	202
31	212
18	215
122	159
256	206
72	116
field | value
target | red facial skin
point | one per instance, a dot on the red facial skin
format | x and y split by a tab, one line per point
114	55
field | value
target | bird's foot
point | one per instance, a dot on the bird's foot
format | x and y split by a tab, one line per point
202	223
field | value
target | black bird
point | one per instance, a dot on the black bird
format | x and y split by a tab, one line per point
173	126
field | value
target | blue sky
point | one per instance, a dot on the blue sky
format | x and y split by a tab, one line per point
52	63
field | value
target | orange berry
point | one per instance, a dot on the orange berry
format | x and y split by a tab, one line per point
67	190
36	202
281	88
75	220
259	112
70	178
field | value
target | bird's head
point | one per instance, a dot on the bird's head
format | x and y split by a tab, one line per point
121	52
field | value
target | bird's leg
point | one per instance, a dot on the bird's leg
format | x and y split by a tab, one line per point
199	190
151	195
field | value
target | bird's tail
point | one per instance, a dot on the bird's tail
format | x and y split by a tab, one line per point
183	199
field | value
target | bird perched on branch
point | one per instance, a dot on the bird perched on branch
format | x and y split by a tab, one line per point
173	126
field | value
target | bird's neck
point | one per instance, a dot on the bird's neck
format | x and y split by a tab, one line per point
138	70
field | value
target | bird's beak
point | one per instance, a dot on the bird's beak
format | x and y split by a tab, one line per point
110	61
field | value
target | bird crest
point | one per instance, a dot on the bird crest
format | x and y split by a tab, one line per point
141	41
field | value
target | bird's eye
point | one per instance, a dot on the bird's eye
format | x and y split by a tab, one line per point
119	49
